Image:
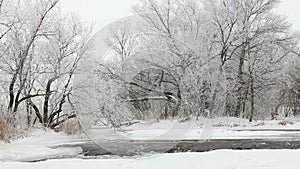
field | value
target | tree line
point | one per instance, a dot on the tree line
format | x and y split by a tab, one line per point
203	58
175	58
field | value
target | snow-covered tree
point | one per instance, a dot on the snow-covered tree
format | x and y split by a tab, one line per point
40	51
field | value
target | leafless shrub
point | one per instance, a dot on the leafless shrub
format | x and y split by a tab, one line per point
185	119
5	130
71	127
286	122
259	124
226	125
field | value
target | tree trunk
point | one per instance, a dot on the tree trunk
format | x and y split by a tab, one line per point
244	101
215	92
251	96
178	103
11	92
46	101
29	113
240	83
37	112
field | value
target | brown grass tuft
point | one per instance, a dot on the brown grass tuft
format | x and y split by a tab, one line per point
5	130
71	127
286	122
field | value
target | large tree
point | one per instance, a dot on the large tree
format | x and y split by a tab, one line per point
40	51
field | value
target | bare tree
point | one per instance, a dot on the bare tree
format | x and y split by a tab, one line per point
176	39
122	41
238	24
7	21
41	52
22	52
62	53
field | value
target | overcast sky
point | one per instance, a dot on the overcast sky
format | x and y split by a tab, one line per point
103	12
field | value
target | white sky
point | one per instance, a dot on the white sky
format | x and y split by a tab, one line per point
99	12
104	12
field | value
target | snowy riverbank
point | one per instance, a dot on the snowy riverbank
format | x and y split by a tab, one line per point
223	159
38	144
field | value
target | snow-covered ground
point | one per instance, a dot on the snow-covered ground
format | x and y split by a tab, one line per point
221	159
39	143
222	128
28	153
46	137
